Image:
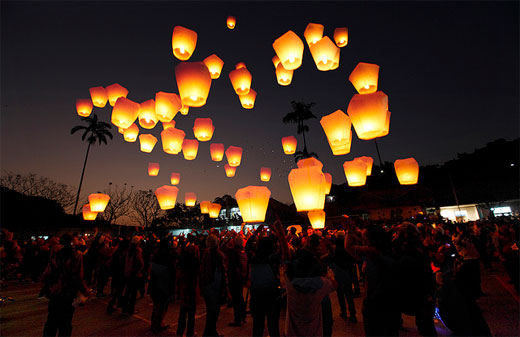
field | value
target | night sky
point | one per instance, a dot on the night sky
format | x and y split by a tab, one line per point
450	70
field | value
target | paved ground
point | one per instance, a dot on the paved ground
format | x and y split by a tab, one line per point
27	315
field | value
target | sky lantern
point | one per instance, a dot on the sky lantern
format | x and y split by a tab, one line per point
313	33
194	82
190	199
407	171
265	173
124	112
248	100
84	107
147	142
88	214
184	110
166	196
308	188
147	117
175	178
234	155
214	210
308	162
153	169
166	105
328	179
167	125
369	161
203	129
340	149
190	147
172	140
114	91
283	76
337	127
289	144
240	65
98	201
355	172
341	36
364	78
231	22
184	41
253	201
368	114
289	48
204	207
276	61
216	151
317	218
130	134
230	170
99	96
241	80
324	52
214	64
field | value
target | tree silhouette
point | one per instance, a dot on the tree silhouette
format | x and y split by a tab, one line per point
301	112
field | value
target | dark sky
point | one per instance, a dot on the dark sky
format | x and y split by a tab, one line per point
450	70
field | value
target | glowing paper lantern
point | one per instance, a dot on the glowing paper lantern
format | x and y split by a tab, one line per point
98	201
240	65
214	64
364	78
368	114
253	201
284	76
231	22
168	125
324	53
194	82
84	107
337	127
230	170
335	61
407	171
115	91
190	199
289	144
184	41
99	96
276	61
166	196
313	33
88	214
341	36
184	110
190	147
147	117
203	129
216	151
214	210
153	169
248	100
130	134
308	162
308	188
355	172
124	113
328	179
289	48
175	178
317	218
166	105
147	142
368	162
234	155
241	80
172	140
204	207
265	174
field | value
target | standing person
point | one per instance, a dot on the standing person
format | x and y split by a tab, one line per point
188	272
117	269
63	278
133	271
104	256
468	274
237	277
341	262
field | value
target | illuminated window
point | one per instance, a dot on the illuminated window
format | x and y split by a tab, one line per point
501	210
462	213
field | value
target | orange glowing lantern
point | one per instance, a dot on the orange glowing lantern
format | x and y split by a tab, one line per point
98	201
214	64
216	151
168	125
184	41
166	196
308	188
341	150
153	169
308	162
328	179
355	172
407	171
214	210
324	52
130	134
190	147
289	144
84	107
115	91
317	218
284	76
335	61
234	155
147	117
276	61
337	127
88	214
231	22
147	142
240	65
313	33
341	36
368	114
289	48
166	105
99	96
175	178
124	113
190	199
172	140
253	201
265	174
248	100
203	129
194	82
204	207
368	162
184	110
364	78
230	170
241	80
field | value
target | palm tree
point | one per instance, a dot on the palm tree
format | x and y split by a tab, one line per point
94	131
301	112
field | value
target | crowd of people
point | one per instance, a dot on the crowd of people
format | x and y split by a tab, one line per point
403	268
